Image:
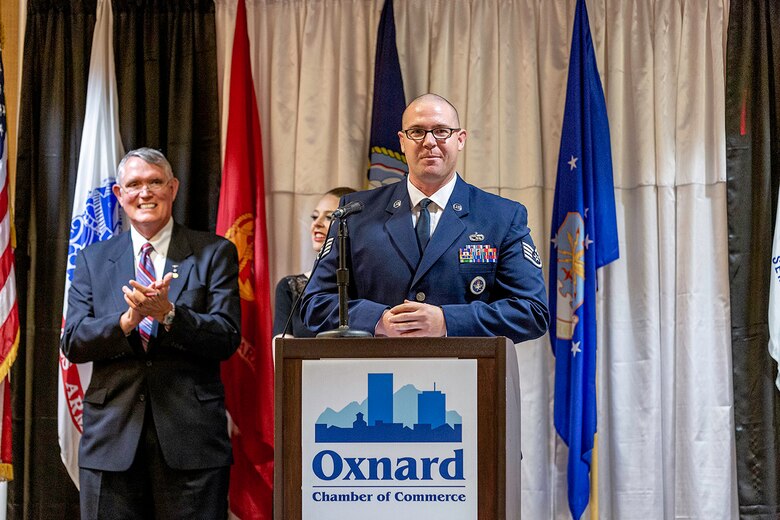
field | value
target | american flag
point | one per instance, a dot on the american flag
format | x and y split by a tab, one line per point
9	312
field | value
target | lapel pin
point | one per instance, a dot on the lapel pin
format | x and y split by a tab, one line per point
397	204
175	268
457	206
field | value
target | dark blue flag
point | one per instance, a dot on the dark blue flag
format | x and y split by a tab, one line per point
386	162
584	238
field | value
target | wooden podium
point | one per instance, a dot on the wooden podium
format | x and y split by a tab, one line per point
498	412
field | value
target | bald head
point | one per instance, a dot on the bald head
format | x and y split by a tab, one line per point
447	108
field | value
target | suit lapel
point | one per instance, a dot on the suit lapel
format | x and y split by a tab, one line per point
399	225
179	261
447	230
120	268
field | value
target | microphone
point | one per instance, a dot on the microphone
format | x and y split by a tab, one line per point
347	209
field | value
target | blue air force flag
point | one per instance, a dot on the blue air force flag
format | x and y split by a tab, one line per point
386	162
584	238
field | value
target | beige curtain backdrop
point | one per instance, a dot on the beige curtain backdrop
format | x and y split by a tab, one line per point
666	441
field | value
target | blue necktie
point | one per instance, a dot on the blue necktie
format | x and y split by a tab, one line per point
423	227
145	276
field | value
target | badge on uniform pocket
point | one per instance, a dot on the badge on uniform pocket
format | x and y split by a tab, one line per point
477	285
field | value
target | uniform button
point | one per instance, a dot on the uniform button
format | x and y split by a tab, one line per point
141	397
420	296
148	363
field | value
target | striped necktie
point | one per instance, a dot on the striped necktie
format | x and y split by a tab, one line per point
145	276
423	227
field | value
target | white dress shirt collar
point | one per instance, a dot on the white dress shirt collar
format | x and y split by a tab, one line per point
440	198
160	242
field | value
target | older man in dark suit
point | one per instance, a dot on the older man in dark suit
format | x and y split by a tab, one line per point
433	256
156	310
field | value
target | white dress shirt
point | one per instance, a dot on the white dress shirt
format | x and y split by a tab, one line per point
439	201
160	243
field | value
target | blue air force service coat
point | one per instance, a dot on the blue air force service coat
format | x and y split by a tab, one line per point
480	266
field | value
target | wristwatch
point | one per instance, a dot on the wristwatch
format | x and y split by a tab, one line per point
168	319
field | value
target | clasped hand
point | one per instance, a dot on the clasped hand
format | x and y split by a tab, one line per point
412	319
142	301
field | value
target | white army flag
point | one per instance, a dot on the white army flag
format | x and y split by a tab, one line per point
774	299
95	215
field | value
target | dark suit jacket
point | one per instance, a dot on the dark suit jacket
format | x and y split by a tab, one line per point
287	291
502	298
179	375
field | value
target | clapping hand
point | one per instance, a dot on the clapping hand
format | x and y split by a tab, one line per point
142	301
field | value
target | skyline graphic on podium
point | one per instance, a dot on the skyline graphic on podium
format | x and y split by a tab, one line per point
420	416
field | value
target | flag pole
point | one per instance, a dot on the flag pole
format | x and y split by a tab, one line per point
594	477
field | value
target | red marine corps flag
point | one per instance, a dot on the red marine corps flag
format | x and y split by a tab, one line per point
248	375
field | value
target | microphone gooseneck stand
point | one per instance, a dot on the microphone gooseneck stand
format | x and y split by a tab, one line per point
342	281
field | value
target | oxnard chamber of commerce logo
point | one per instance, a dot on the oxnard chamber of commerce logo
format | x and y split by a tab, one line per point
387	437
408	415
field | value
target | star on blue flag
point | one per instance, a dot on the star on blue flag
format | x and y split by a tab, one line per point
584	238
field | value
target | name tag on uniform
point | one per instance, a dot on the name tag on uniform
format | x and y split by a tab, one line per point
475	254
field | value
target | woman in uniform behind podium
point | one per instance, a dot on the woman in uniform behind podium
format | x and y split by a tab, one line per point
290	287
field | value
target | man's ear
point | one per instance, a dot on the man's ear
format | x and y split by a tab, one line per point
401	142
175	184
116	190
461	139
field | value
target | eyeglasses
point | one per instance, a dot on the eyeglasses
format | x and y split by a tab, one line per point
440	134
155	185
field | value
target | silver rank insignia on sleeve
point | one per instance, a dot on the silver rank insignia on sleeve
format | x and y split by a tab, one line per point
325	248
532	255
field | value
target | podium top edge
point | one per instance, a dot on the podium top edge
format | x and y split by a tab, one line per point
460	347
